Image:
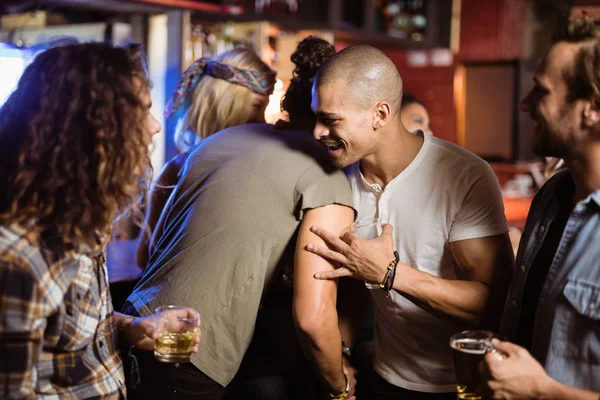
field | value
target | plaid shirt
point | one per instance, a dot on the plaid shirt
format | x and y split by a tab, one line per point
58	336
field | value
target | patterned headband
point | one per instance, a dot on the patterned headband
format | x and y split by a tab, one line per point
258	82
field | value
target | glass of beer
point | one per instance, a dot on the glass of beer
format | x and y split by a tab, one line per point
176	327
369	228
470	348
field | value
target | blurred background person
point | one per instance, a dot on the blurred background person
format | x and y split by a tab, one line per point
413	114
213	94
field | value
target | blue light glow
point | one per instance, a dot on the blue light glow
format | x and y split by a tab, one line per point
12	65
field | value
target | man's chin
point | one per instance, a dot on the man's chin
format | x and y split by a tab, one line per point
340	163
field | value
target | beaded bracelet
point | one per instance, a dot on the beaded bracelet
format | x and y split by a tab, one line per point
390	275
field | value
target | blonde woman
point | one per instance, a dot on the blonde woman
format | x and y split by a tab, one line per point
213	94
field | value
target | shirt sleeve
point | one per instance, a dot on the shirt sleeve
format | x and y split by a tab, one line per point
481	213
318	187
22	325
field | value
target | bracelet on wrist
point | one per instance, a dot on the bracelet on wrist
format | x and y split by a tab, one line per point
344	394
388	280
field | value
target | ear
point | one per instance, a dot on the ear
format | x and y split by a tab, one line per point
591	112
382	115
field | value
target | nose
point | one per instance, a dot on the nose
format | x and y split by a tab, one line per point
320	131
156	126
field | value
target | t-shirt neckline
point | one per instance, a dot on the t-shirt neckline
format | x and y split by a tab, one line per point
374	187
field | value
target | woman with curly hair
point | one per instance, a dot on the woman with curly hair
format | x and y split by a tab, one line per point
213	94
74	142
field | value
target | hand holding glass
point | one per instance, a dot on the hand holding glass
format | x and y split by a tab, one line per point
470	348
176	328
369	228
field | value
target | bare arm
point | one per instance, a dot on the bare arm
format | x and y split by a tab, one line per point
353	299
480	262
314	303
478	295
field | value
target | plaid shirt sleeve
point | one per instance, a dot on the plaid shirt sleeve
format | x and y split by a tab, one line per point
22	324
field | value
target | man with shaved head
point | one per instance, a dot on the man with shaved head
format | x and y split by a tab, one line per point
454	256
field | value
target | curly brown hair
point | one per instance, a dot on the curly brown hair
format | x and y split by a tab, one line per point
311	53
73	146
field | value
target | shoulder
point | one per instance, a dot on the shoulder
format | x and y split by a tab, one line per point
23	266
20	248
35	275
461	167
457	155
170	172
245	131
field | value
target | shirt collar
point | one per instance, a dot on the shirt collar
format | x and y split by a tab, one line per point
376	188
595	196
565	189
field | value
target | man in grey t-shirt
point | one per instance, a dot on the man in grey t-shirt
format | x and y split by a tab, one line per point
240	213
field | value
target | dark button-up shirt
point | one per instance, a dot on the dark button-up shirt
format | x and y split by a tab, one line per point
566	330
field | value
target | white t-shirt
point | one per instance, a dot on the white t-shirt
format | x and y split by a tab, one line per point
446	194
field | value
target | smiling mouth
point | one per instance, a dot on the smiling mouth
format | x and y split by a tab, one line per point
332	146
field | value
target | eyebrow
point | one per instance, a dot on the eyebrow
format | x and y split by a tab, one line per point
325	114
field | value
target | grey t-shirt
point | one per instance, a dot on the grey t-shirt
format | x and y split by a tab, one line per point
224	231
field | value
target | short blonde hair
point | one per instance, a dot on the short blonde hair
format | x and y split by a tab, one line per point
217	104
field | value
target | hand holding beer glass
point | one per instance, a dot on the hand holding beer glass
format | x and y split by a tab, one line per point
470	348
177	328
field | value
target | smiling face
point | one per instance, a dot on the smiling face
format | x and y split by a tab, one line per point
344	127
414	117
557	120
